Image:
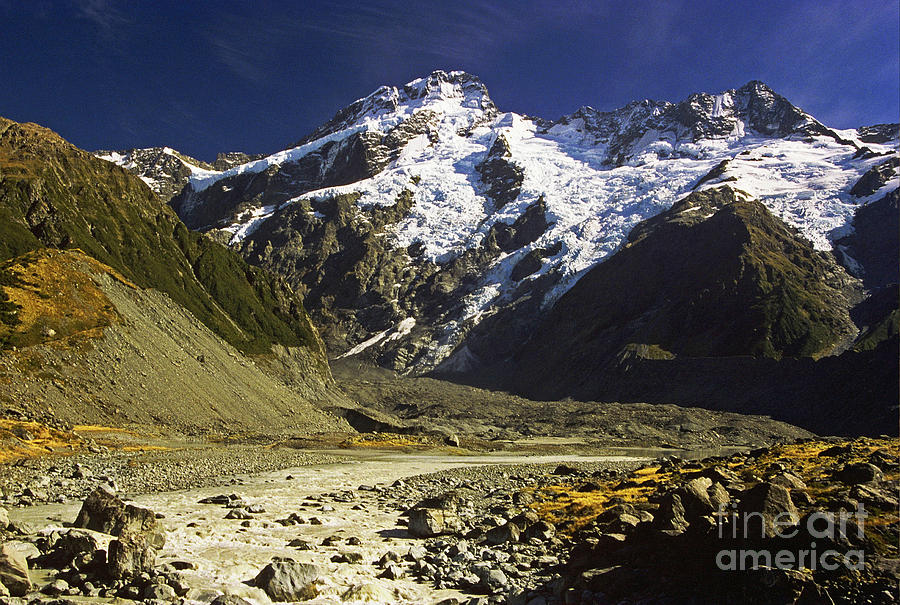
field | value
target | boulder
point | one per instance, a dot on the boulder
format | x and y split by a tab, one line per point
105	512
4	518
14	571
428	522
765	505
70	545
718	496
229	600
868	494
859	472
541	530
492	580
669	517
695	499
508	532
288	580
789	480
129	556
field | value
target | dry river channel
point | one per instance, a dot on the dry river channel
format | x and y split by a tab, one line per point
349	502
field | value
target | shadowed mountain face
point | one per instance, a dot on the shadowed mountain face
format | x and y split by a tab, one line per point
55	195
698	308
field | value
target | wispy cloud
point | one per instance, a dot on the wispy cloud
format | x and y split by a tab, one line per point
447	34
105	14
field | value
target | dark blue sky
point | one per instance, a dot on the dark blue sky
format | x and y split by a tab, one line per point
205	77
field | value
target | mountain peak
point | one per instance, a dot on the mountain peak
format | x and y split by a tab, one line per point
440	90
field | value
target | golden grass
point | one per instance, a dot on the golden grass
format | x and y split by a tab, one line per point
57	298
385	440
45	440
570	509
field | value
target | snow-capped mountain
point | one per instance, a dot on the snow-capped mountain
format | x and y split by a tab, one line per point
420	212
167	171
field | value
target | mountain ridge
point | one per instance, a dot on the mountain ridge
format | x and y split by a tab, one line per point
473	176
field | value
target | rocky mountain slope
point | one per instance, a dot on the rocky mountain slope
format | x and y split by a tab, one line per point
138	350
90	347
420	212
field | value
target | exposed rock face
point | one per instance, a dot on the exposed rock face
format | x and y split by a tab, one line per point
879	133
869	251
230	159
164	170
753	107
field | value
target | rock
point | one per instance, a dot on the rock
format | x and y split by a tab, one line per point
70	545
508	532
288	580
4	518
452	440
415	553
565	470
525	519
388	558
884	460
81	472
229	600
56	587
14	571
523	498
129	556
872	495
695	497
222	499
369	593
238	513
429	522
26	549
103	511
789	480
718	496
765	508
859	472
492	580
300	544
392	572
669	517
541	530
162	592
353	558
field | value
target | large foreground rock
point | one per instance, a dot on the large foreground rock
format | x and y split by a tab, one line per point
14	571
288	580
103	511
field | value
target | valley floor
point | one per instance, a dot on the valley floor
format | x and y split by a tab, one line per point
391	518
